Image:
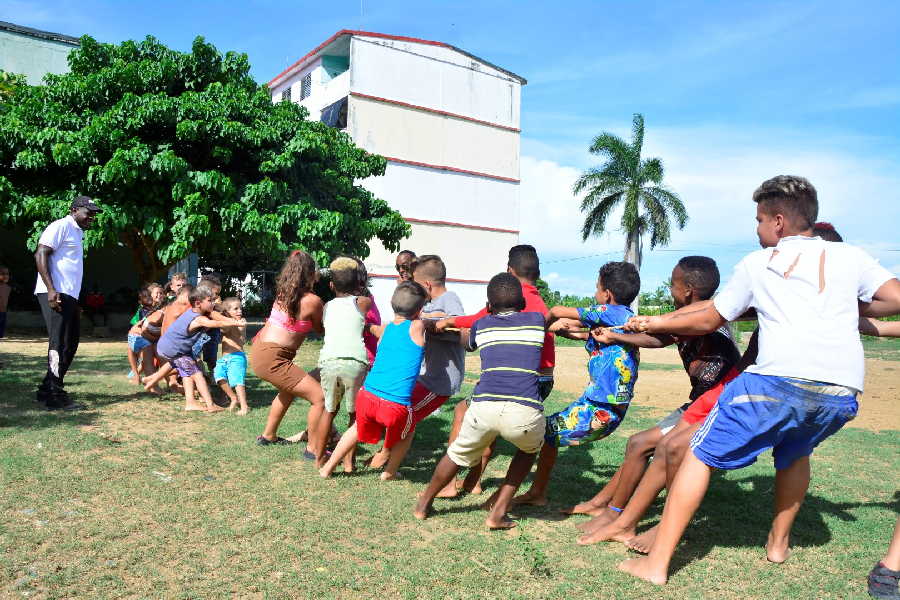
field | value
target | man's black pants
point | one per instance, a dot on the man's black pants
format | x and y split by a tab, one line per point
64	332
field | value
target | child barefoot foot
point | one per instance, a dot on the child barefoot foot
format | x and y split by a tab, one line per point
243	410
608	533
422	508
214	408
583	508
391	476
643	569
194	405
777	550
379	459
303	436
605	517
232	405
531	498
643	543
451	490
503	522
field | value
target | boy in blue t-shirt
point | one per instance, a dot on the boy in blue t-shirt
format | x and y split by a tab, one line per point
613	370
506	401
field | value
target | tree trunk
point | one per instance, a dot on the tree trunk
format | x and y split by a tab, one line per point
634	254
146	265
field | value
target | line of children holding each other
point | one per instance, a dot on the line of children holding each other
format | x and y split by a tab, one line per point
176	333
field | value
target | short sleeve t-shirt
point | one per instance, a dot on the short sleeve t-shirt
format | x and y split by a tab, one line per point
511	345
444	364
533	303
806	292
613	369
707	359
66	263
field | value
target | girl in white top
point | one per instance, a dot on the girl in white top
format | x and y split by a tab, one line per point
342	359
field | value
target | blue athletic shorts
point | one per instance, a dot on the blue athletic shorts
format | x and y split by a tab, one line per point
757	412
583	421
233	367
137	343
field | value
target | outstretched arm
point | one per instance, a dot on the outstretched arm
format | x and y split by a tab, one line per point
605	335
697	322
885	302
879	328
215	323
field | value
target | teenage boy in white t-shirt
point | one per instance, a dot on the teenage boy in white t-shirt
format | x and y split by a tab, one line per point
807	375
60	265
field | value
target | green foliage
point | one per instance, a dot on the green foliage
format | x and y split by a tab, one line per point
554	298
186	153
660	297
625	179
9	82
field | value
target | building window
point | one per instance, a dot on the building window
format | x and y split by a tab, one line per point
335	115
286	94
306	86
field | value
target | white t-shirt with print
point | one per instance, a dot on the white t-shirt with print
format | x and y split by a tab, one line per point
805	293
66	263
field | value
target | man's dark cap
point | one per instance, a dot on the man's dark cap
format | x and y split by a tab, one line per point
85	202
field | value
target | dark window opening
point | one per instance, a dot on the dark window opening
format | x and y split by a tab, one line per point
335	115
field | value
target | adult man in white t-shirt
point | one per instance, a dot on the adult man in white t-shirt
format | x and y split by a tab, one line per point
808	295
60	265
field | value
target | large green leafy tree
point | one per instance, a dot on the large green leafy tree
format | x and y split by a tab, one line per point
186	153
634	183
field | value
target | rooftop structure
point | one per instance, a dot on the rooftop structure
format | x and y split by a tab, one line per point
33	52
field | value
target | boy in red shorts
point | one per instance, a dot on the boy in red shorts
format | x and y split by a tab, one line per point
383	405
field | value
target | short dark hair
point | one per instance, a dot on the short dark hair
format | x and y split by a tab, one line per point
504	293
432	268
789	195
702	274
523	260
201	292
346	281
622	279
827	232
408	299
143	294
402	252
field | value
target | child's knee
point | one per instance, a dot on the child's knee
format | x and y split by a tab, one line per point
642	442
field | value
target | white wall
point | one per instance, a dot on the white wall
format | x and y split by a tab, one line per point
467	253
433	77
434	195
420	136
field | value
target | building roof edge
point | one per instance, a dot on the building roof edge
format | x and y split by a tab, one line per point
38	33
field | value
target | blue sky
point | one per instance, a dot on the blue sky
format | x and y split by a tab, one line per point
732	93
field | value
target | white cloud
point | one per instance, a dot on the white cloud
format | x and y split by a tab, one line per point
715	170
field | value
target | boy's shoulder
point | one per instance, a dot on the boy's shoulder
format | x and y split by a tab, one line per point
610	314
511	319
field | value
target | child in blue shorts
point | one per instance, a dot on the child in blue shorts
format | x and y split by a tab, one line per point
613	370
809	369
231	370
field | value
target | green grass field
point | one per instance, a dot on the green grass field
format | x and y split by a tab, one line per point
134	498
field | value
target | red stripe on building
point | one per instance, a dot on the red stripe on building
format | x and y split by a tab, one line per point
435	111
343	32
462	225
452	169
449	279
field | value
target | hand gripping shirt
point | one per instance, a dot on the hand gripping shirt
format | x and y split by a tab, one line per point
613	368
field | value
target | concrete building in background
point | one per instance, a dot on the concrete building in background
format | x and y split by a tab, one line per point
33	52
448	124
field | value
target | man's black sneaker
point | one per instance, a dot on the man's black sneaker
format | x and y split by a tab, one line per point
71	406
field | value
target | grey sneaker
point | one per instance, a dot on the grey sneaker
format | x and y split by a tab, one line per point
883	583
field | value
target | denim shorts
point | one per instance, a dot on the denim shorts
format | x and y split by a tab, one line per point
757	412
232	367
136	343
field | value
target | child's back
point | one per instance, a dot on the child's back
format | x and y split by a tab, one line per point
343	324
397	364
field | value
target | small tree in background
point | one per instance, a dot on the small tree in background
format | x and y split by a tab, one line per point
186	153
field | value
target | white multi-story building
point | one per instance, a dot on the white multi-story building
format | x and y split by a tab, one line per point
448	124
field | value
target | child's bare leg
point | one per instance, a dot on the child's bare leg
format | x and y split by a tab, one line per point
241	392
151	380
596	505
346	445
229	393
380	458
459	412
444	473
687	492
790	491
132	362
622	528
199	380
891	560
472	482
515	475
537	495
350	457
397	454
190	403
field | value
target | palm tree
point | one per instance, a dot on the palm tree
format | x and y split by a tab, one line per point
635	183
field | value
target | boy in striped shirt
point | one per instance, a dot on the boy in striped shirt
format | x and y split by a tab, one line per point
506	401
